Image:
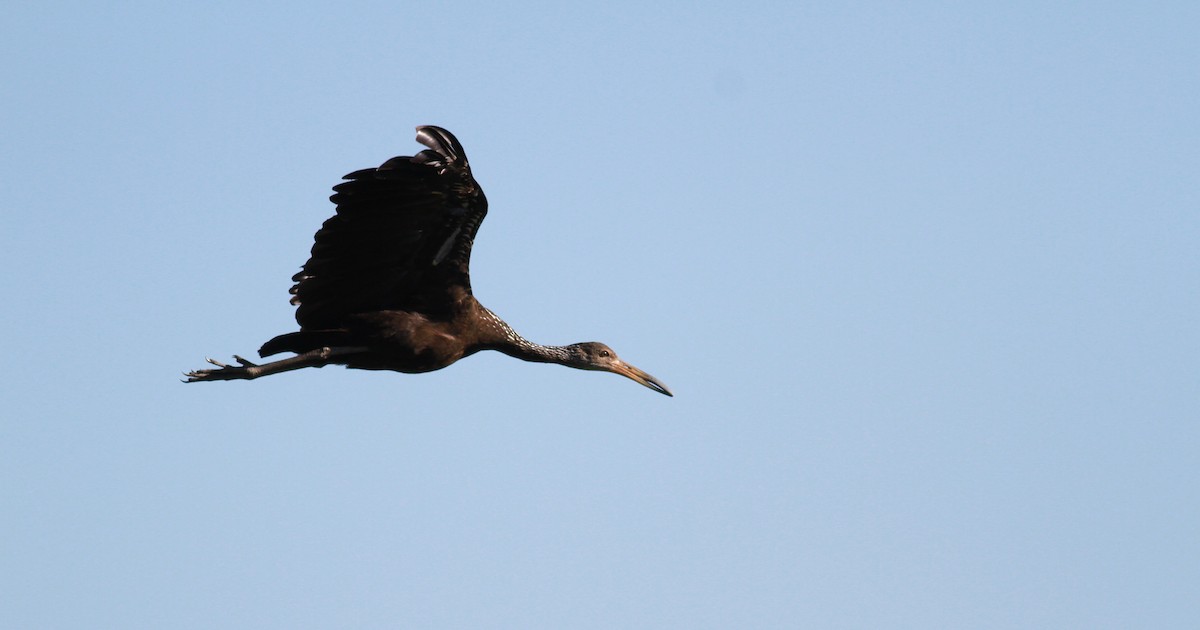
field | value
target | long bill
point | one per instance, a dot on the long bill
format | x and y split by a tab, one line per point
634	374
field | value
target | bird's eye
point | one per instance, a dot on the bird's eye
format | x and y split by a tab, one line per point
604	353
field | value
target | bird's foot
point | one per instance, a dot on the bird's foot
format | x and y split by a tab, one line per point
225	372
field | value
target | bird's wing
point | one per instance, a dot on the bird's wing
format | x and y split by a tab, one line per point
401	238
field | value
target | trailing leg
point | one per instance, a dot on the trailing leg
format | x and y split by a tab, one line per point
247	370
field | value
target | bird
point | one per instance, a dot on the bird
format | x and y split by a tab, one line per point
387	285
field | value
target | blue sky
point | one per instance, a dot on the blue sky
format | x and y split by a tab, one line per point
923	279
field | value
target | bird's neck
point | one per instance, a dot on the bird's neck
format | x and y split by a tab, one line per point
502	337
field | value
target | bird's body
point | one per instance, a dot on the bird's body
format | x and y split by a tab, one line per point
388	284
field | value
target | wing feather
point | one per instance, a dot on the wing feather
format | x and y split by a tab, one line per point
400	240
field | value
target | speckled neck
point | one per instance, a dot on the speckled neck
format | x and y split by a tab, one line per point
514	345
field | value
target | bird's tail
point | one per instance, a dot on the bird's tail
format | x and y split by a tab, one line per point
304	341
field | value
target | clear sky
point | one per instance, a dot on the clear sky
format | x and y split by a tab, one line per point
923	277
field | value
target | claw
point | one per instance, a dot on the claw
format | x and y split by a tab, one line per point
224	371
244	362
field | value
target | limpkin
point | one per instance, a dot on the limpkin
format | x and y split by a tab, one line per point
388	287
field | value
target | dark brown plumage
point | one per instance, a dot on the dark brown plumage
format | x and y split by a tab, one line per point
388	284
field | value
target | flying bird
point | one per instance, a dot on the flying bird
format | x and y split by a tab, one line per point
388	286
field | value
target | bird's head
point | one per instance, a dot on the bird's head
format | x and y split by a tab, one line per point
593	355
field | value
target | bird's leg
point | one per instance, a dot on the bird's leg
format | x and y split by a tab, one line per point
247	370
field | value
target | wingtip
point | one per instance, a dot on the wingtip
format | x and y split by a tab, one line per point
442	141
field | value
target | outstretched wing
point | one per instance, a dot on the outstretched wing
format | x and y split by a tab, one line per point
401	238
